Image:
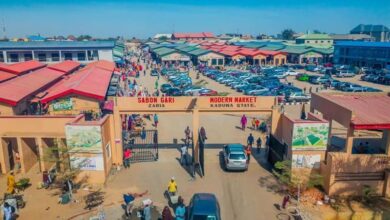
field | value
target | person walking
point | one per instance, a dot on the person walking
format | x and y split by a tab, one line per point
143	134
11	183
253	123
244	120
155	119
180	210
250	140
257	122
248	152
203	134
258	143
127	155
187	133
7	211
183	155
166	214
172	187
147	212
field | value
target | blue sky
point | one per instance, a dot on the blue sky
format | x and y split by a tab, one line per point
145	18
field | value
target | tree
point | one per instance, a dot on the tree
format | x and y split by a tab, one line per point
163	38
288	34
84	37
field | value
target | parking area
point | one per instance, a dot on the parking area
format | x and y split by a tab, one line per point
238	193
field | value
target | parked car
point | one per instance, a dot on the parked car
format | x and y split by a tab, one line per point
291	73
174	92
320	79
345	73
257	89
302	77
165	87
297	97
154	73
203	206
234	157
207	92
192	91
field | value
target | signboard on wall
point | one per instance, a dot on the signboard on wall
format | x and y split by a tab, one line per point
235	103
87	163
310	136
306	161
84	138
63	104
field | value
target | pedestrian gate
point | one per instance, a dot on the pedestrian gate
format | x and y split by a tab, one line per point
143	144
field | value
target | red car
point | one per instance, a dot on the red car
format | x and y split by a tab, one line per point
207	92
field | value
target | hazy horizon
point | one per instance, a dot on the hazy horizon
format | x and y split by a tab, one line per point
136	18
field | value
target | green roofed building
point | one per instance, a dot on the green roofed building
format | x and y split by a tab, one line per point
166	55
301	54
315	39
206	57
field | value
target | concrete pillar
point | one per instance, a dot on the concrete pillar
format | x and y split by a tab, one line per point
5	57
349	141
33	55
60	55
117	150
86	55
195	134
21	154
41	153
4	160
386	185
386	142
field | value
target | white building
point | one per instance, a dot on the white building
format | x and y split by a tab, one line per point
56	51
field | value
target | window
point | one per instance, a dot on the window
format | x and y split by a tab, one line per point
316	41
42	57
213	61
81	56
237	156
220	61
68	56
1	56
27	56
55	57
13	57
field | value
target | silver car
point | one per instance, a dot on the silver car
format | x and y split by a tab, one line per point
235	157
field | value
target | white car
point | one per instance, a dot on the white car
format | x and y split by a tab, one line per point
291	73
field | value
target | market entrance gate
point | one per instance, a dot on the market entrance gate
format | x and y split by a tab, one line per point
143	144
193	105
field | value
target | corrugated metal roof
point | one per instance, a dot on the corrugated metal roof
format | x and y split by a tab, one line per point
6	76
14	90
91	81
56	44
362	44
369	28
194	35
315	37
22	67
369	109
66	66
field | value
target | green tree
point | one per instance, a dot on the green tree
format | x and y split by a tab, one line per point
163	38
288	34
84	37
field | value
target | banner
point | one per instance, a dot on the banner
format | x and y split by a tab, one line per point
63	104
310	136
87	163
82	138
306	161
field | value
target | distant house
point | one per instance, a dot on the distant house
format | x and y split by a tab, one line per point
162	36
381	33
352	37
35	38
315	39
193	36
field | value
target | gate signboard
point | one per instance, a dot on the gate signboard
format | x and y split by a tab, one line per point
232	103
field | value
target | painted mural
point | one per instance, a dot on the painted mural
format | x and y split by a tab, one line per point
87	139
310	136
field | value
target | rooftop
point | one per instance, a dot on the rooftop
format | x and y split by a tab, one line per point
194	35
67	66
22	67
363	44
56	44
370	111
15	90
6	76
369	28
315	37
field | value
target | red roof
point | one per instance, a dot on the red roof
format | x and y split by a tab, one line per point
103	64
230	53
371	111
68	66
194	35
91	81
22	67
14	90
6	76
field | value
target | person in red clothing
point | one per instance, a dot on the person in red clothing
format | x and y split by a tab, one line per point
127	155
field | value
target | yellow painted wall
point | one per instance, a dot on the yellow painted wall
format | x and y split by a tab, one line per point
80	104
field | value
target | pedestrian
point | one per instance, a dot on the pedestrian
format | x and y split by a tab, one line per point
304	90
180	209
244	120
143	134
147	212
187	133
253	123
144	72
248	152
155	118
317	89
127	155
11	182
286	199
166	214
258	143
257	123
183	155
250	140
203	133
129	202
310	89
8	211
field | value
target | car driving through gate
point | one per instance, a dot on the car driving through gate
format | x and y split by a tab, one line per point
234	157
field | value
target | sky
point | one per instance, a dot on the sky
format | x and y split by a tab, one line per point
145	18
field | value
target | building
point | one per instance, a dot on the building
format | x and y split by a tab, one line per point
56	51
381	33
302	54
162	36
207	57
362	54
315	39
193	36
352	37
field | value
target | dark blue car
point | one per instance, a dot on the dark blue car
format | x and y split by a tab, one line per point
204	206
